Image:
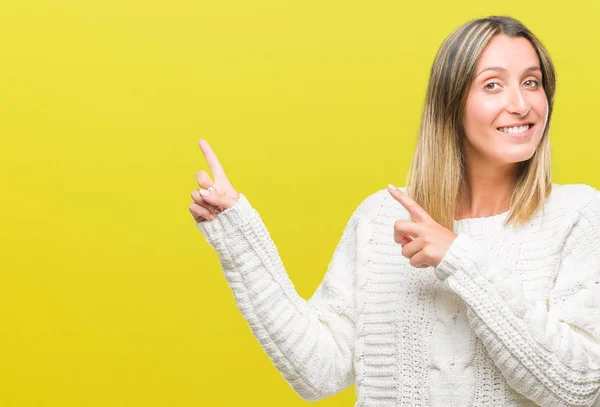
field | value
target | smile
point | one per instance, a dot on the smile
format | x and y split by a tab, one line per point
517	131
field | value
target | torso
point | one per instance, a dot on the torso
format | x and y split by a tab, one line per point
414	345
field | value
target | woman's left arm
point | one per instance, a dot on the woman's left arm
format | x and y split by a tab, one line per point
549	349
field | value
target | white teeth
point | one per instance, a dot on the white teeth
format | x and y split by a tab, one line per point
515	130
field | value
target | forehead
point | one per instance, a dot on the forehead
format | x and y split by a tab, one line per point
507	52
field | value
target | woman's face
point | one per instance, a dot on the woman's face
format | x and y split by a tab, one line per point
506	108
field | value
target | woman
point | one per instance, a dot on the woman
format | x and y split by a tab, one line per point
492	298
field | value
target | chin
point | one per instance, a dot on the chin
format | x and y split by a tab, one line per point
514	157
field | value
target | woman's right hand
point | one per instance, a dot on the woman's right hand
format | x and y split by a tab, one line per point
213	197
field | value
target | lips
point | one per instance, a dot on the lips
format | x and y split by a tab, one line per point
520	130
515	128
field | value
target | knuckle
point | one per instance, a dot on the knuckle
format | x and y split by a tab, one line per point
207	206
198	198
205	213
203	179
426	251
196	209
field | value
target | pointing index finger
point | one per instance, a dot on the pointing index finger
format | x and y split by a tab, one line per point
212	160
414	209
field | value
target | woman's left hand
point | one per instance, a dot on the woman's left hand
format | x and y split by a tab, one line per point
424	241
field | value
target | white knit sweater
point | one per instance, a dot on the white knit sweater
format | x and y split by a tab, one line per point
510	317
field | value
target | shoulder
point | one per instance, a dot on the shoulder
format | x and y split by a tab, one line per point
373	201
580	203
381	202
576	197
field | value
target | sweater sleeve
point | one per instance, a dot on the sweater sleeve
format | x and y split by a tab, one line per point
548	350
311	342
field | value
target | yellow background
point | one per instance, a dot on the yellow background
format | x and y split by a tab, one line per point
109	295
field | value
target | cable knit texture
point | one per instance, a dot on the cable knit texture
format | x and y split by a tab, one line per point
510	317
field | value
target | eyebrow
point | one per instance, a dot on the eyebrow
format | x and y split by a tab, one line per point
500	69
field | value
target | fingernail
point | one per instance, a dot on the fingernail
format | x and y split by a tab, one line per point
393	188
204	192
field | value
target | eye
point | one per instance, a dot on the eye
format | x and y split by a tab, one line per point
490	86
532	83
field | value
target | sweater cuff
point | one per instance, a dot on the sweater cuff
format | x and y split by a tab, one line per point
230	218
464	254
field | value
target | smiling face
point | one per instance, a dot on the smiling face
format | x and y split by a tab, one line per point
506	108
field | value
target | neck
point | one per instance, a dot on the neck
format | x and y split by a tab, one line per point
486	192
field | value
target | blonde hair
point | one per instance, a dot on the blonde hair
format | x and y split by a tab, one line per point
437	172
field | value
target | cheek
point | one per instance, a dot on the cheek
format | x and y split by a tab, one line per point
481	113
539	104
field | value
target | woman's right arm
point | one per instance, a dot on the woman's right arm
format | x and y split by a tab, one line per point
310	342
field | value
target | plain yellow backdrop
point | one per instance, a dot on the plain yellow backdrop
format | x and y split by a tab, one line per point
109	294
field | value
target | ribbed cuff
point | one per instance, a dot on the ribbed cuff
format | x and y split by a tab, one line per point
464	253
232	217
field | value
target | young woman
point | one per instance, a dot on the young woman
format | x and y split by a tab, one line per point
476	285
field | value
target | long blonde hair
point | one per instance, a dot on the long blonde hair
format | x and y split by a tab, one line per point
437	172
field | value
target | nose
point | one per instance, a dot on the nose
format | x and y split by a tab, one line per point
517	104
